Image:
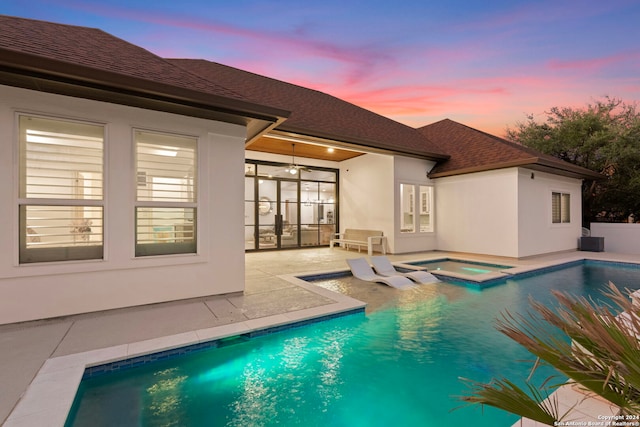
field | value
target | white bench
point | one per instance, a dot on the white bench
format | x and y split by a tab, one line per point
360	238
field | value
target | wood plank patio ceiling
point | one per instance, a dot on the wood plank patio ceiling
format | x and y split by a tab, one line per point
302	150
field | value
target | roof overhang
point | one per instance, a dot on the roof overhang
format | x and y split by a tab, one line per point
35	72
534	163
351	143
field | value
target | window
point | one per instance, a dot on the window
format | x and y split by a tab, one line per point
60	190
560	208
166	209
416	202
407	211
426	201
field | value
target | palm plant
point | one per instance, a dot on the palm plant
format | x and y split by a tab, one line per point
590	343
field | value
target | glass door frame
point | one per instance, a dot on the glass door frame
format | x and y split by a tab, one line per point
270	236
270	231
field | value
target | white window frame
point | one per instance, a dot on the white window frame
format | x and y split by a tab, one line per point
426	207
564	217
419	203
176	247
56	253
407	207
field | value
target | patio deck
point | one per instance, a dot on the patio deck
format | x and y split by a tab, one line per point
269	295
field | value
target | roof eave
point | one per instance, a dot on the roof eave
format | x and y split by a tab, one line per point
49	75
535	163
570	169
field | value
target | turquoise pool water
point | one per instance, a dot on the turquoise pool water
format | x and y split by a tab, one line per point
398	365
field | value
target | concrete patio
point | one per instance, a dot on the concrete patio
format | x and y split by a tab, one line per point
25	347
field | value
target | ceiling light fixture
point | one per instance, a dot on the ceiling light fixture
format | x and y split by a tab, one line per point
293	168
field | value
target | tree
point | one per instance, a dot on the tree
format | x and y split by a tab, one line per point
586	342
603	137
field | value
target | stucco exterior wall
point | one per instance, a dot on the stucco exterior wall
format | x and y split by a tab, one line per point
61	288
478	213
537	233
621	238
505	212
367	194
411	171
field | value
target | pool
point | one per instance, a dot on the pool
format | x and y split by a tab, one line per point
461	266
397	365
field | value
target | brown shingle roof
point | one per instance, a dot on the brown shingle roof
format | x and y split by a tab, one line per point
472	150
90	57
96	49
314	113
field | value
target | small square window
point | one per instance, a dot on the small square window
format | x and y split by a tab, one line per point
560	207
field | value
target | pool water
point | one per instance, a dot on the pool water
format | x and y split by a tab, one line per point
398	365
462	267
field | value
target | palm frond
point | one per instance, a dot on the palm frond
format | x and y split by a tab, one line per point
587	342
504	394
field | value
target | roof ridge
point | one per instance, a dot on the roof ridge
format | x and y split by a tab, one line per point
297	86
474	150
203	79
42	21
496	138
293	93
261	76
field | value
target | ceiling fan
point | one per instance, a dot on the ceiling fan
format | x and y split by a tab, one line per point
293	168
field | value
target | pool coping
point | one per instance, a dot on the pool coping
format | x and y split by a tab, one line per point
485	280
49	397
482	280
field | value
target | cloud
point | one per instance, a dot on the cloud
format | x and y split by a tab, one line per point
591	64
414	98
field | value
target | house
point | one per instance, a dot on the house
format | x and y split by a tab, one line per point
490	196
131	179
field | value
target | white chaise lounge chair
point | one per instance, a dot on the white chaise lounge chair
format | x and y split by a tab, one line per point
383	267
361	269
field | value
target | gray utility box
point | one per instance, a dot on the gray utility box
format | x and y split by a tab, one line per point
592	244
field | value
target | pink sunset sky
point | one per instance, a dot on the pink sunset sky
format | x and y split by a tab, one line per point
486	64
